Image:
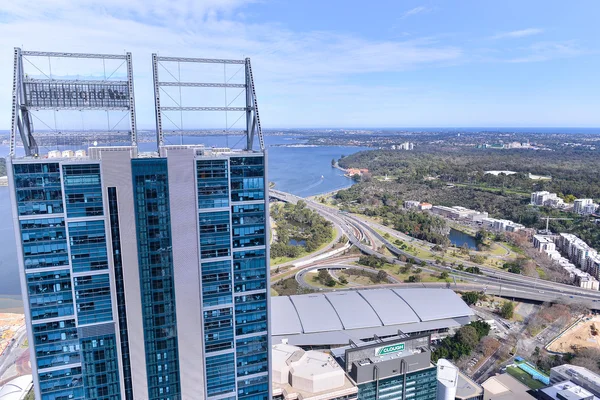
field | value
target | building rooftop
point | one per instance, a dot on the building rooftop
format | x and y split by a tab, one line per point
579	375
505	387
467	388
336	317
299	374
568	390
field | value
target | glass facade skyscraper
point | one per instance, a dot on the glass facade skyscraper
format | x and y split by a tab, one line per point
145	276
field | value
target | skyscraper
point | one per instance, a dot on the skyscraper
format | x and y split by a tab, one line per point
144	274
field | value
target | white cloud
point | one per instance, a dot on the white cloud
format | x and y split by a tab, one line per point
415	11
317	61
545	51
518	34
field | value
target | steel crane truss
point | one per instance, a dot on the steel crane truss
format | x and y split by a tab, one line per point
48	92
250	110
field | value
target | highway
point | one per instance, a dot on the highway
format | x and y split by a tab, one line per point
493	281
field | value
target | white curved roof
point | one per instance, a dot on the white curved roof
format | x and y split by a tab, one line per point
390	307
335	317
348	304
15	389
432	304
316	313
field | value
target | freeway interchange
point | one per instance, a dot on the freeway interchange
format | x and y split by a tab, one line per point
491	280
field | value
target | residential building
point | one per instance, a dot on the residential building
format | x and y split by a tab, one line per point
501	225
589	209
144	275
397	368
580	376
408	204
458	212
425	206
544	243
579	205
545	198
80	221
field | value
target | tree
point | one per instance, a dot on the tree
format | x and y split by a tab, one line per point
382	276
467	335
444	275
464	249
405	269
343	280
489	345
507	310
470	297
414	278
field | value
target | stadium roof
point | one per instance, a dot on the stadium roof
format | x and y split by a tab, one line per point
17	388
336	317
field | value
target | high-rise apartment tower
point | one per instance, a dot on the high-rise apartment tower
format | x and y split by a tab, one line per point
144	274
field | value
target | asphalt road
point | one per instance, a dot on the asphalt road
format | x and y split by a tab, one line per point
13	351
493	281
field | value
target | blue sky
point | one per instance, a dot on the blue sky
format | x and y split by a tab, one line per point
348	63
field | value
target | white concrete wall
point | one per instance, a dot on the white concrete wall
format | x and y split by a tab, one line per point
185	241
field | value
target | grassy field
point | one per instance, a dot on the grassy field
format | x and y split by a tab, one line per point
274	292
524	378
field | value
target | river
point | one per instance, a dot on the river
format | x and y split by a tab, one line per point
303	171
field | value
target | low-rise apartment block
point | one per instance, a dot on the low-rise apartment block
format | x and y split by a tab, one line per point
408	204
457	212
501	225
545	198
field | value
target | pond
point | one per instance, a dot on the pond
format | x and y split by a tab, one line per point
458	239
295	242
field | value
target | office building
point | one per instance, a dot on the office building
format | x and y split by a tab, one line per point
144	274
395	368
566	390
580	376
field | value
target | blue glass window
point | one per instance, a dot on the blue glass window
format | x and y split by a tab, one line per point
247	178
213	184
113	209
155	258
62	383
50	294
44	243
215	238
251	346
37	187
88	246
250	270
220	374
254	388
218	329
250	314
216	283
83	190
100	370
92	294
56	343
